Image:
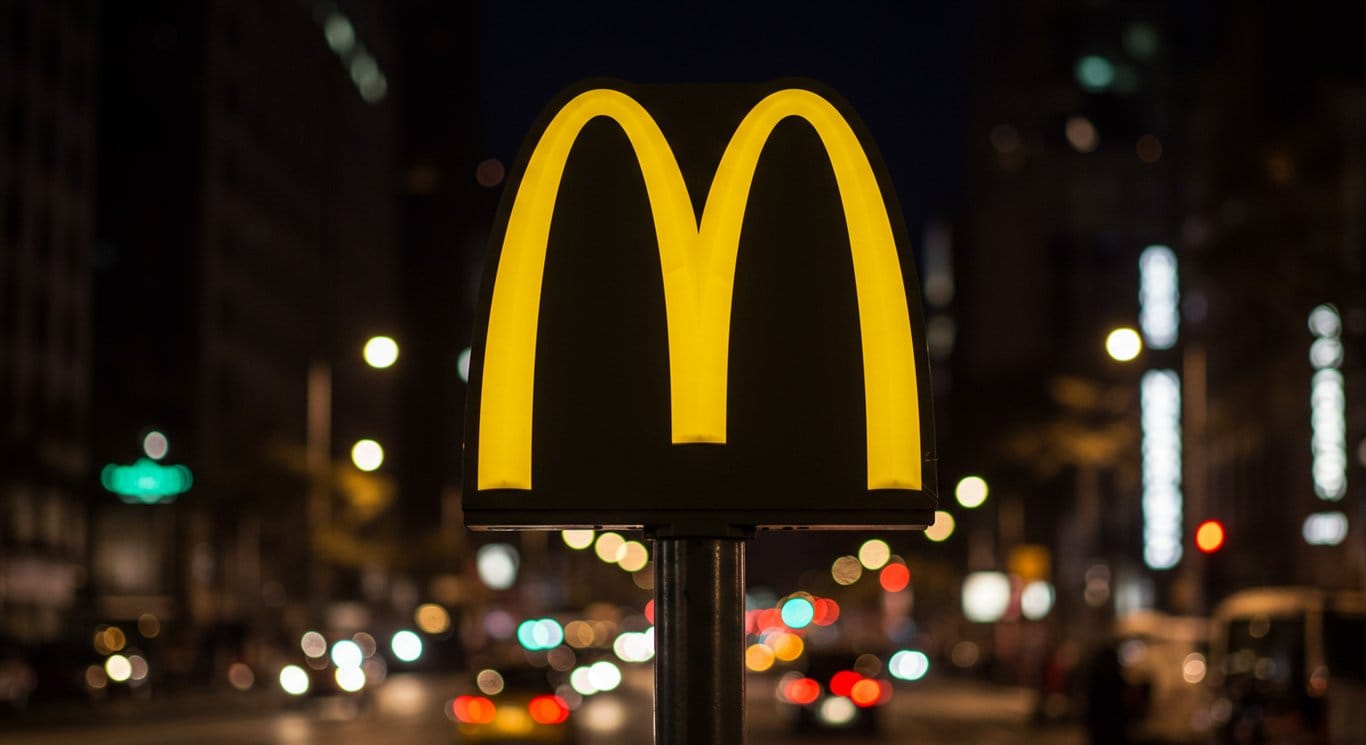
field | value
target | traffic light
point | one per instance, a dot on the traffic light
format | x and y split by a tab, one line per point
1209	537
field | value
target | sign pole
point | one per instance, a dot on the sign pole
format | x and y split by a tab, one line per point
700	639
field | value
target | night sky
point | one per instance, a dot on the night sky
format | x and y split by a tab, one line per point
904	66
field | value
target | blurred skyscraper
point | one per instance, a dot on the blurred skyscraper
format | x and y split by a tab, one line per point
1234	140
48	78
247	234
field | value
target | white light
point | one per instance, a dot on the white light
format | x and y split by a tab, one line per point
971	491
347	654
340	35
634	646
1123	344
367	455
1325	528
604	675
380	352
462	364
581	680
313	644
350	679
497	564
1158	297
294	680
406	645
1327	407
118	668
837	711
941	528
874	553
577	539
1160	399
1324	321
986	595
908	664
1036	599
155	445
611	547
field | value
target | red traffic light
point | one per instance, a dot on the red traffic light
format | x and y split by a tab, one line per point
1209	537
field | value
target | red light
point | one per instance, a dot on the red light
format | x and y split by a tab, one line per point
1209	537
865	693
548	709
802	691
843	682
771	618
827	611
650	611
895	577
473	709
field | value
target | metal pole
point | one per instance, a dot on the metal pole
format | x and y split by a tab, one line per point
700	639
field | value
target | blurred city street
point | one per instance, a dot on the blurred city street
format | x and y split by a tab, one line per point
407	710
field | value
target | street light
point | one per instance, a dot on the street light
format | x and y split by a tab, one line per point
367	455
381	352
1123	344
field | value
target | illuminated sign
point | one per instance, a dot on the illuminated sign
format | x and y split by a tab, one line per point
680	365
146	481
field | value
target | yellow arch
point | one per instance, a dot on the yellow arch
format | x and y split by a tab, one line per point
698	266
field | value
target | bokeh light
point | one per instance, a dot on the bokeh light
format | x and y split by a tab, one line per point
633	556
941	528
155	445
971	491
367	455
313	644
610	547
798	613
490	682
1123	344
406	646
577	539
118	668
380	352
497	565
758	658
908	664
347	653
432	618
240	676
874	553
846	570
895	577
294	680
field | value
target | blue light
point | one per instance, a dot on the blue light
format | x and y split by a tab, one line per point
798	612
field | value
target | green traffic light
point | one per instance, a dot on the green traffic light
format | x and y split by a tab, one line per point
146	481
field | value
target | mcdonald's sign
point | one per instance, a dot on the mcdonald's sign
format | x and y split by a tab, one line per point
645	358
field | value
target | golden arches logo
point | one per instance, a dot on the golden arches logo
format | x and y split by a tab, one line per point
697	259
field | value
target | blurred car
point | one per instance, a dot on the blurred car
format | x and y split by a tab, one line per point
836	692
512	704
1165	655
1288	665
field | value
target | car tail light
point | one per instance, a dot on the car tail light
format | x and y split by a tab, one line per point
473	709
548	709
843	682
802	691
865	693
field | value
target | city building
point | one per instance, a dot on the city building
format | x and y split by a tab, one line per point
247	238
48	99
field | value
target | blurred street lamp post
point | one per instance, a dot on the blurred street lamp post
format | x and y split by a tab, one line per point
380	352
